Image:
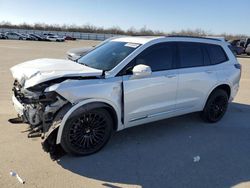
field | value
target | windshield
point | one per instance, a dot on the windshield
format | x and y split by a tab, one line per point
108	55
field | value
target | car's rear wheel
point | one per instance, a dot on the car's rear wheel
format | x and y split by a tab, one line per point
87	133
216	106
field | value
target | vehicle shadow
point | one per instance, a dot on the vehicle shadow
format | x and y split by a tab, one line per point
161	154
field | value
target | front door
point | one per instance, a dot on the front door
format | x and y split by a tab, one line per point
154	97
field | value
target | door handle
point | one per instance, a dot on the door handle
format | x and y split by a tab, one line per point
209	72
171	76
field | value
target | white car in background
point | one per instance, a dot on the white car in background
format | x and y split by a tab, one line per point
53	37
127	81
14	35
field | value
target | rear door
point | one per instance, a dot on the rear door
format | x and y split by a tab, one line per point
196	76
153	97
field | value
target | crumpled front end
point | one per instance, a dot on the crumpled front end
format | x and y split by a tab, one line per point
38	109
42	109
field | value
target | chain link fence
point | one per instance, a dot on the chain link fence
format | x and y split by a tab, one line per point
77	35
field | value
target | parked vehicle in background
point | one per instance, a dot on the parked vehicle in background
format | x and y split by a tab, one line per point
38	37
236	47
239	42
14	35
235	42
69	38
76	53
237	50
247	42
53	37
242	43
2	36
125	82
29	37
248	49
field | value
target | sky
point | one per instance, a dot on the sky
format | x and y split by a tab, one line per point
215	16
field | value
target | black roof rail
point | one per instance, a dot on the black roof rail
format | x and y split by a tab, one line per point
186	36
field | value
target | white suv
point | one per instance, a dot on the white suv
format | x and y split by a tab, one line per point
126	82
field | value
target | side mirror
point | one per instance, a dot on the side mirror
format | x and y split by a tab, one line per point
140	71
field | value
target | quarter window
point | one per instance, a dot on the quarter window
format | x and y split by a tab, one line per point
217	54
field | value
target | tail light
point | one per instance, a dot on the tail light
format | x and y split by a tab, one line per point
237	66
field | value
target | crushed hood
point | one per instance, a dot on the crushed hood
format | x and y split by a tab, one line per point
37	71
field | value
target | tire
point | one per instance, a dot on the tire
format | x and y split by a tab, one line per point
87	133
20	38
216	106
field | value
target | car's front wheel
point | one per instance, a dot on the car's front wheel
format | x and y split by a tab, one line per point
86	133
216	106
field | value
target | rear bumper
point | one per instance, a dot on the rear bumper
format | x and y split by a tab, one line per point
234	92
18	106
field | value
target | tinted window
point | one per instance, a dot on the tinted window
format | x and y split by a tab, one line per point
206	57
190	54
108	55
159	57
217	54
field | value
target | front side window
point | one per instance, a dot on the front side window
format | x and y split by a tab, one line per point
108	55
190	54
158	57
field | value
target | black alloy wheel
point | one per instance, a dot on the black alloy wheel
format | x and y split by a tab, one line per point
216	106
87	133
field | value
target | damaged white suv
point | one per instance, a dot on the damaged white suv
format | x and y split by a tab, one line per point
126	82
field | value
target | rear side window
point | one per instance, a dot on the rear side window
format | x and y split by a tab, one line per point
217	54
159	57
190	54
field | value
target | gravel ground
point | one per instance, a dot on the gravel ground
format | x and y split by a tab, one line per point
155	155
